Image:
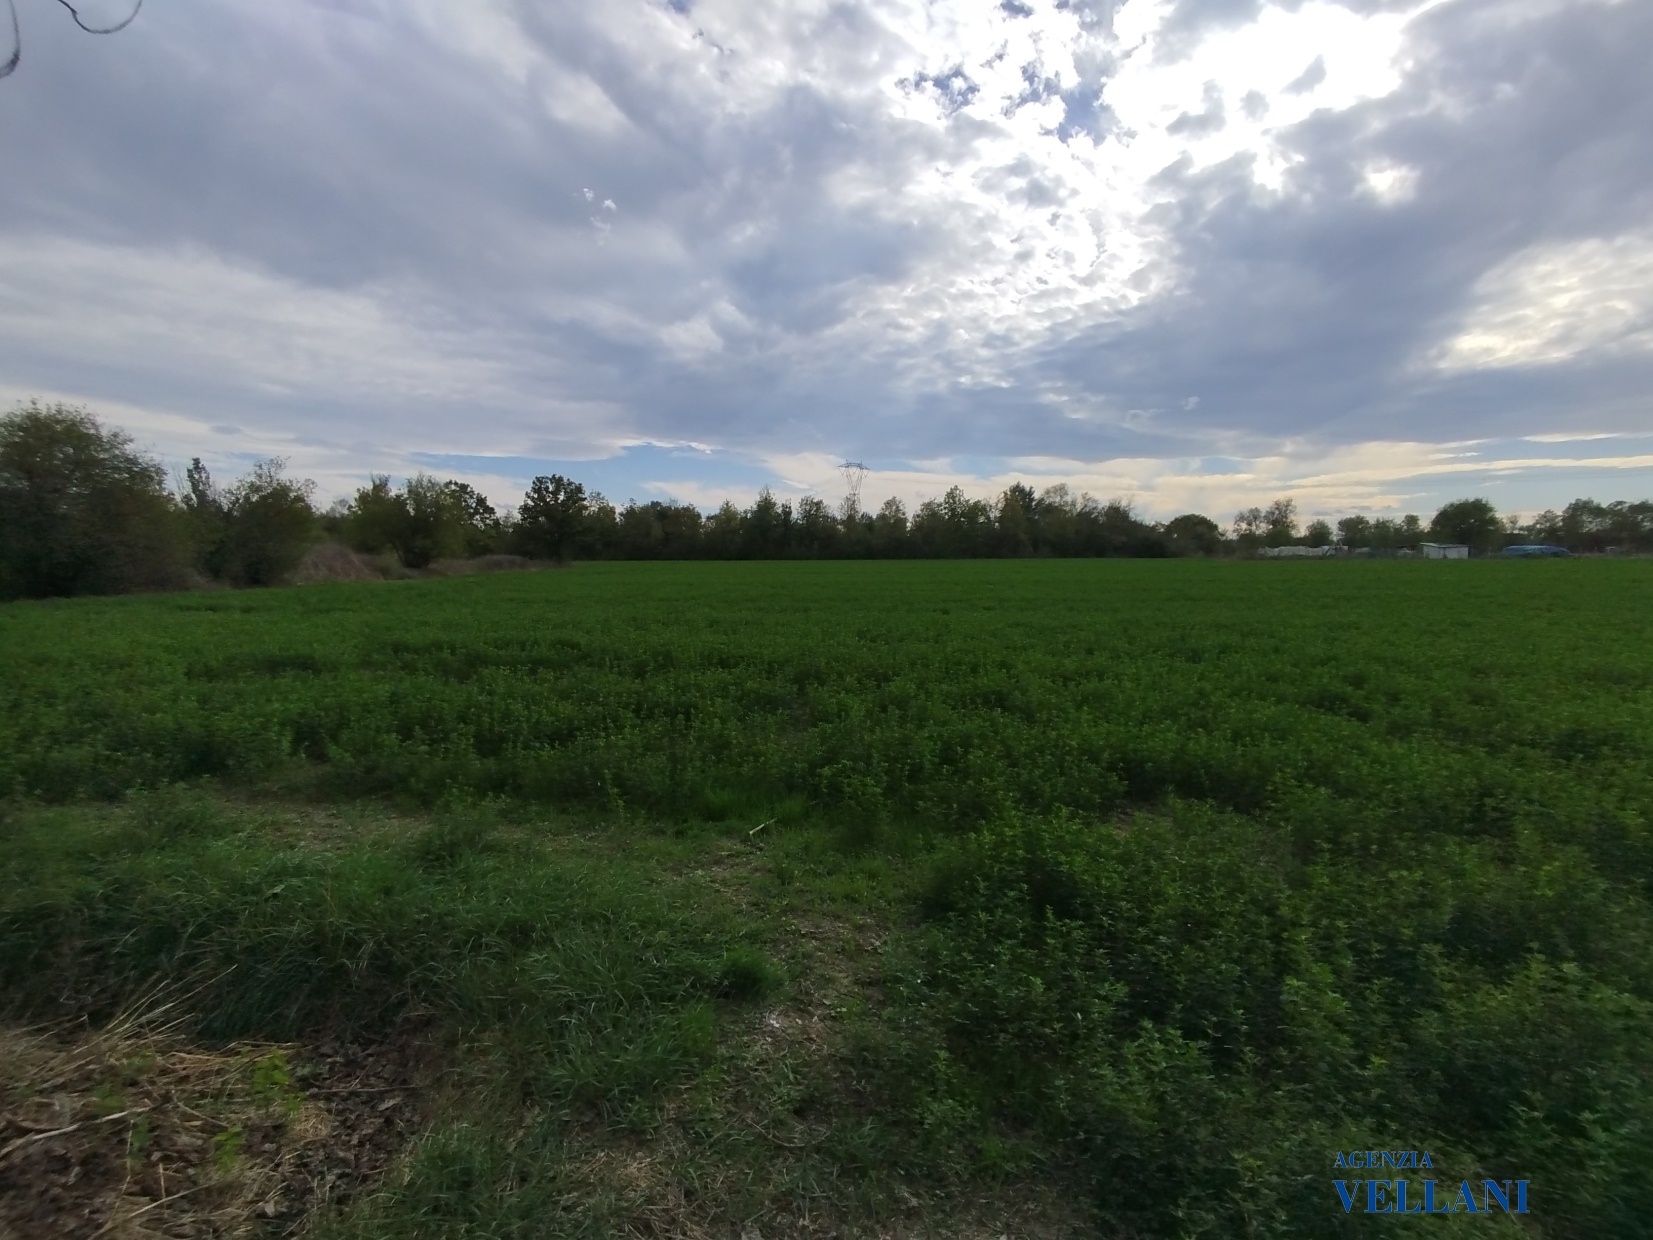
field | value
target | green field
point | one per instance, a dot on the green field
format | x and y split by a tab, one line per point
1111	897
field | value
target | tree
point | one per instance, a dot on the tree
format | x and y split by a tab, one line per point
602	526
659	530
1193	534
1473	522
1584	525
1354	531
81	510
376	519
1628	525
436	522
1113	528
889	528
552	517
1018	520
1249	528
722	533
766	526
1319	533
1280	522
480	525
269	524
817	533
205	518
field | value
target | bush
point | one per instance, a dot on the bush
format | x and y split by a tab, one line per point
81	510
1200	1021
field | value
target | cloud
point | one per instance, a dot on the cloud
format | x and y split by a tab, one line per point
378	232
1210	119
1306	81
1557	301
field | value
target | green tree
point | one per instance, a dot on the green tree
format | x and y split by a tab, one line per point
436	522
1280	522
269	524
954	525
889	528
723	531
1355	531
1584	525
481	530
1017	520
205	518
377	518
767	522
818	529
81	510
602	526
1249	528
1058	519
552	517
1473	522
1194	534
1319	534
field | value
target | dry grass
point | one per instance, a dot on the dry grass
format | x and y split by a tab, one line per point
131	1132
334	562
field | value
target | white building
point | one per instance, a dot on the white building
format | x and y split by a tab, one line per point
1297	553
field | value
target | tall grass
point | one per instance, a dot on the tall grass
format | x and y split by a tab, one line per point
588	978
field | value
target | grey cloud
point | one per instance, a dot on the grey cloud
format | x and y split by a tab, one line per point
1307	80
1209	119
354	154
1308	314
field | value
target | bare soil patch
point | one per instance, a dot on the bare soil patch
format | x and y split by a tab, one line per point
130	1132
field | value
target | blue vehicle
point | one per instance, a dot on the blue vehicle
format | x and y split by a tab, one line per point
1534	550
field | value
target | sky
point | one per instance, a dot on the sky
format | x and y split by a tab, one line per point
1198	254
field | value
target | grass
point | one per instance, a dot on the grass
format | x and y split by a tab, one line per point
1067	898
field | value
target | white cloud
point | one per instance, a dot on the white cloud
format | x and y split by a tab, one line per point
1558	301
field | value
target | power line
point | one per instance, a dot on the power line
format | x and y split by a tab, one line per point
17	34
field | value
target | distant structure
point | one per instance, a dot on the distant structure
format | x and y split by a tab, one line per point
1528	551
1298	553
855	474
1445	551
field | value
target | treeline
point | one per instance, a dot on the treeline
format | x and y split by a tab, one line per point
1584	526
82	511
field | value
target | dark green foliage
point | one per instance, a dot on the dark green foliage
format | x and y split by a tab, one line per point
747	974
587	972
255	532
269	523
552	519
1473	522
1192	533
421	522
1588	526
81	510
1200	1019
1273	526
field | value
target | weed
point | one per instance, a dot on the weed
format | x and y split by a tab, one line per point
226	1149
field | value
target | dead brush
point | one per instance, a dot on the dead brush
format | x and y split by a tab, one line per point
130	1131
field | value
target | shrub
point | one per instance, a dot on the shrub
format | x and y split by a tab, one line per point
81	510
